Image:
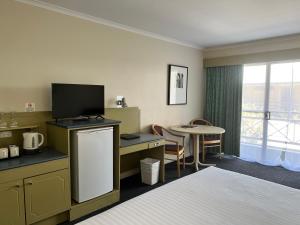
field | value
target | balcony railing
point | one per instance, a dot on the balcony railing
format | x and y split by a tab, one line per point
283	129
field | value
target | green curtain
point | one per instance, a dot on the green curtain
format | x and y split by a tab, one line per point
223	103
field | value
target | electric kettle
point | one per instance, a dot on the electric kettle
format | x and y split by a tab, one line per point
31	140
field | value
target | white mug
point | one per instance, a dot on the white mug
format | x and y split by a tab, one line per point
14	151
3	153
31	140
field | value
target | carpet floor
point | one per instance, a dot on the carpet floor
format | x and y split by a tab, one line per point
132	186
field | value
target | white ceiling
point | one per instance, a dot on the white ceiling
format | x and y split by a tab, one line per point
201	23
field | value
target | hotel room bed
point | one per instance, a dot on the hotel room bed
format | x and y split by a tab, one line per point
209	197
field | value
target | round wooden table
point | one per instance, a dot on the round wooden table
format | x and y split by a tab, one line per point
197	131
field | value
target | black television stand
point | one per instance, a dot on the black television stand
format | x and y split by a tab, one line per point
81	119
87	118
100	117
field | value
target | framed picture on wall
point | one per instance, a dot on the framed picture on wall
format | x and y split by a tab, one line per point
178	80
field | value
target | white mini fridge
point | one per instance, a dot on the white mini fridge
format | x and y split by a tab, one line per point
91	163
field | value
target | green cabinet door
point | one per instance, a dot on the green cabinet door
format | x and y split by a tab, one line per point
12	203
47	195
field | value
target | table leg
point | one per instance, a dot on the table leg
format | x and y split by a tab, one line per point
196	160
192	162
196	150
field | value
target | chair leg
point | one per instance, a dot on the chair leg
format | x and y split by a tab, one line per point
220	146
183	161
178	166
203	153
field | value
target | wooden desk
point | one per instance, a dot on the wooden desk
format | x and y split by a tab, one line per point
147	145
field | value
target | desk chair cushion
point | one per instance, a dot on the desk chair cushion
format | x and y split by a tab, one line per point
171	148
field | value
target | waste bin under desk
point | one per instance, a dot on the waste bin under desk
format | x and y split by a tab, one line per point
132	151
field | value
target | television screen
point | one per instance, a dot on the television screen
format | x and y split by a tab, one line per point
73	100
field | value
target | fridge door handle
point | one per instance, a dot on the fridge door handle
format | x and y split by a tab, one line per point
97	131
94	131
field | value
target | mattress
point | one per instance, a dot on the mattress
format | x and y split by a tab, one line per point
209	197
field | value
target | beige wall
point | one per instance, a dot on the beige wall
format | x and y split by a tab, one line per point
38	47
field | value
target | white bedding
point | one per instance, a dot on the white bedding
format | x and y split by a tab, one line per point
209	197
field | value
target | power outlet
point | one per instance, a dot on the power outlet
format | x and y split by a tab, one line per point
5	134
29	107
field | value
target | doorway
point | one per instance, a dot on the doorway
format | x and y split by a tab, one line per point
270	130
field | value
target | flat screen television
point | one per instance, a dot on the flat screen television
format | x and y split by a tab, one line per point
74	100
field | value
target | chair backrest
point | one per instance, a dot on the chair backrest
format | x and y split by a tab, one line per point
157	130
200	122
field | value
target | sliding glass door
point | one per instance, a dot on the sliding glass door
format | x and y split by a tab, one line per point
271	114
284	126
253	108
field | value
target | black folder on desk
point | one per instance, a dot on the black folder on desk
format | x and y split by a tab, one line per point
129	136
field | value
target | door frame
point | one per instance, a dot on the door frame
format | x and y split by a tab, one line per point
266	110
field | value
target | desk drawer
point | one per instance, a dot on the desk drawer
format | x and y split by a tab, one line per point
133	148
155	144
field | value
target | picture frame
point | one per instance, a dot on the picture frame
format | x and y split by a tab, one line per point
177	85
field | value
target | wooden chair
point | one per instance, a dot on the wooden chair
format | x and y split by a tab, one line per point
174	146
208	140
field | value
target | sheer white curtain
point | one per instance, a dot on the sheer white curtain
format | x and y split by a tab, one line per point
286	159
270	132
